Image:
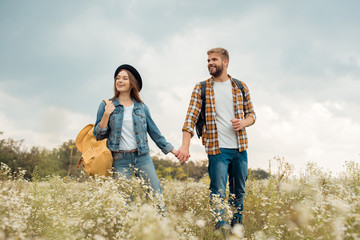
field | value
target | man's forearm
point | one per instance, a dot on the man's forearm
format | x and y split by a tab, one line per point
186	139
183	152
249	120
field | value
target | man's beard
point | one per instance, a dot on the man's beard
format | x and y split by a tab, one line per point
218	72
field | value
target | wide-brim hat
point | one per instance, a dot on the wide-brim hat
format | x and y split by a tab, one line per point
132	70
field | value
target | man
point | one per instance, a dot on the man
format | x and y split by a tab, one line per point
227	114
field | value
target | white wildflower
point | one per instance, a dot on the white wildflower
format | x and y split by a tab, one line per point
238	231
200	223
99	237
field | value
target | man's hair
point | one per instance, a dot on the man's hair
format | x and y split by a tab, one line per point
222	51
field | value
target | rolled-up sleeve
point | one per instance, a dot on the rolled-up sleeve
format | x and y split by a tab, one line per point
248	106
193	111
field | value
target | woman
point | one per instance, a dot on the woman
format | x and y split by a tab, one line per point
125	122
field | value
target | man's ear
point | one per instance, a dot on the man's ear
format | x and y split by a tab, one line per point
226	62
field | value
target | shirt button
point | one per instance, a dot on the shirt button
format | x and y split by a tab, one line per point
134	123
138	142
136	133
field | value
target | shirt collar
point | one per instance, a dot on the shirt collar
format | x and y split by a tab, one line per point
212	81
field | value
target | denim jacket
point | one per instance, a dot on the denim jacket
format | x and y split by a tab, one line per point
143	124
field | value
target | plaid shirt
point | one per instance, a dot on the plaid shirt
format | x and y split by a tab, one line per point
210	134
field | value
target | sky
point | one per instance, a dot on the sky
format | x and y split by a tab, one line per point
300	60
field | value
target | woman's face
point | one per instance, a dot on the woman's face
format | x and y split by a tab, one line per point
122	82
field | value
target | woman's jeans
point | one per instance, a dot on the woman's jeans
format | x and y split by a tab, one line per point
129	164
235	164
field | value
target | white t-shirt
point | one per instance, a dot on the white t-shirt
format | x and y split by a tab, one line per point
224	113
127	139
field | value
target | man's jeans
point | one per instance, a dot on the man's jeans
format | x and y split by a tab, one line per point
131	164
235	164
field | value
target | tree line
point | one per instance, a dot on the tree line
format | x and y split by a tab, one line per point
62	161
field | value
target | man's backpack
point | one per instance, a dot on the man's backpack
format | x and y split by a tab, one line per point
96	158
199	125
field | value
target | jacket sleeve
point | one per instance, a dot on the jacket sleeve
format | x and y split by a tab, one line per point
193	110
155	133
99	133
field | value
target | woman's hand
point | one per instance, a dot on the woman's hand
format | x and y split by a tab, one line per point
109	108
175	152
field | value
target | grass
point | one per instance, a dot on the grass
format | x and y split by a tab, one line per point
311	205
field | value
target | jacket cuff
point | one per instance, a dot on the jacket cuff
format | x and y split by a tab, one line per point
99	131
167	149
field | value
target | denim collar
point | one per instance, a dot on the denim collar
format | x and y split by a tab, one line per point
117	103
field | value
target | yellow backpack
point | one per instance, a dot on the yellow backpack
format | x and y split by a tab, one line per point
96	158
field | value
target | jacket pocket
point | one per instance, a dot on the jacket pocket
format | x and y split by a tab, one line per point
141	116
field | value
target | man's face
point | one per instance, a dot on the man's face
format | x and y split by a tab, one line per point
215	64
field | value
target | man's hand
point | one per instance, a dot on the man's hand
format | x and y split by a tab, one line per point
183	154
238	124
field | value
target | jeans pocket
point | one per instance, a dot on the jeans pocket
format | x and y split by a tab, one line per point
117	156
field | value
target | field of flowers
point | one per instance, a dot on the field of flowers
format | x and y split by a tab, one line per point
311	205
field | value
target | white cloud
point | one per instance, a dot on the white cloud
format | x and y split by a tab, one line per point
50	127
309	133
302	73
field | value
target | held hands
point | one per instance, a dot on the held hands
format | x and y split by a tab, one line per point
183	154
175	152
180	155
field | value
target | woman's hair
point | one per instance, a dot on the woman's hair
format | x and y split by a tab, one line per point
134	85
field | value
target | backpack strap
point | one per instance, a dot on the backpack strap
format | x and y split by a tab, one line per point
201	119
241	87
203	97
80	163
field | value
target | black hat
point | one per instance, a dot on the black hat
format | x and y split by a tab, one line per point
132	70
